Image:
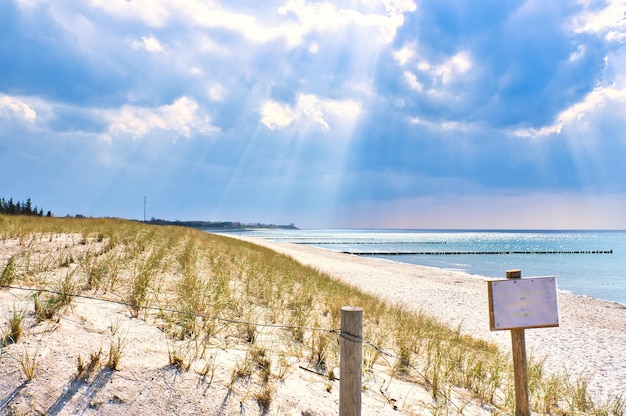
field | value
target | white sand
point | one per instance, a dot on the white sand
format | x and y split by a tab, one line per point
590	342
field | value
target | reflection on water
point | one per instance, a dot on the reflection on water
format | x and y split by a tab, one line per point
564	255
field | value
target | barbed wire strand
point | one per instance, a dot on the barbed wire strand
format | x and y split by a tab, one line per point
162	309
347	336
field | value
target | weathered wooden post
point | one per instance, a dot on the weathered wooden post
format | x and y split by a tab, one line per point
520	365
516	304
351	359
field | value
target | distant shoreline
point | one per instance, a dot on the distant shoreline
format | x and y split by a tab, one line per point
222	225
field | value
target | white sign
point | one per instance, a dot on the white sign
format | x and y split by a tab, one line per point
523	303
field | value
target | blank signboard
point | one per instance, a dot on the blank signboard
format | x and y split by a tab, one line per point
523	303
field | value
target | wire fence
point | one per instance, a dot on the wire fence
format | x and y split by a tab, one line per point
354	338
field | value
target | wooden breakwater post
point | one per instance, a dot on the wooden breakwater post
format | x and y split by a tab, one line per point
350	361
516	304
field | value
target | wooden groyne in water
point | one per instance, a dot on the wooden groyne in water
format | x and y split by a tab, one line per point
350	243
441	253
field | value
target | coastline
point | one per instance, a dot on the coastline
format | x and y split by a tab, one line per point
589	344
193	374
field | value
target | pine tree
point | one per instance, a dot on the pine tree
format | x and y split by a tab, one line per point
11	207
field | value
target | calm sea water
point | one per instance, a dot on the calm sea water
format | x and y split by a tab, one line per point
600	275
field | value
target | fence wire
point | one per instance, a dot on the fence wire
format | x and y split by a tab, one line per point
347	336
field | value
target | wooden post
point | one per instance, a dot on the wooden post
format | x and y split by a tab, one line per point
520	366
351	359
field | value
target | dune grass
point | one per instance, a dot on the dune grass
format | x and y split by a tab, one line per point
202	288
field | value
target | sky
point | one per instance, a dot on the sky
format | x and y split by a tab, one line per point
343	114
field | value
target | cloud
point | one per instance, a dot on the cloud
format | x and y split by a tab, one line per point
608	21
580	113
444	79
309	110
388	99
405	54
149	43
276	116
181	118
14	108
310	17
37	57
466	63
412	81
327	17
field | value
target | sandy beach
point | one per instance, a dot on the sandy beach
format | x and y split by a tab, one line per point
590	341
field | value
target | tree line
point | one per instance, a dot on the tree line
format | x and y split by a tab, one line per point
220	225
11	207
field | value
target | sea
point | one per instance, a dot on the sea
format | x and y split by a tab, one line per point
589	263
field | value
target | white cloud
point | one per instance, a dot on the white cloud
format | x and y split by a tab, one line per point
275	115
411	79
596	100
152	44
14	108
180	118
310	110
608	99
405	54
437	80
578	54
158	13
210	15
616	36
327	17
608	21
450	70
384	18
149	43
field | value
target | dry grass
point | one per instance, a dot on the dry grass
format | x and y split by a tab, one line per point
200	287
85	369
14	331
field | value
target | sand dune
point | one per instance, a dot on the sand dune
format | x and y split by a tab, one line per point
590	342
